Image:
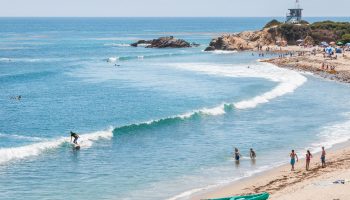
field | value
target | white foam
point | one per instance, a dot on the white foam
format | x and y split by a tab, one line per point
190	193
222	52
112	59
288	80
86	141
3	135
333	134
117	45
5	59
142	45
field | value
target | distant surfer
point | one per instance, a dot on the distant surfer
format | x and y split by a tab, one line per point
75	136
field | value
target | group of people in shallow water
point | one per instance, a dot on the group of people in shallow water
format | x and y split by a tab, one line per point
308	156
237	155
293	157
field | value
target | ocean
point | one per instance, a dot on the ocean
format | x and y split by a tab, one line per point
154	123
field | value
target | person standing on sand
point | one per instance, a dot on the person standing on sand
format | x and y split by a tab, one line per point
237	154
293	156
323	158
308	159
252	154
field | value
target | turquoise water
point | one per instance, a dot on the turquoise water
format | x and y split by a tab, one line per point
161	125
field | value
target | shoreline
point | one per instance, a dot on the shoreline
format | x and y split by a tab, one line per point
282	183
300	184
303	59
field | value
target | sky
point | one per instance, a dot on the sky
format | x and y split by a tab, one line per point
168	8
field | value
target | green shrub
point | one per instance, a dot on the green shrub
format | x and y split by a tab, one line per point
293	32
272	23
346	38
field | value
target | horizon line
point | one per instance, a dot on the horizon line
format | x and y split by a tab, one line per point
161	16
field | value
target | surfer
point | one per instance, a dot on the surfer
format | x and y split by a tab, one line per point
237	154
75	136
252	154
293	156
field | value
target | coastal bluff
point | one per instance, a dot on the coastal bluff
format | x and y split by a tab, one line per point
282	34
247	40
164	42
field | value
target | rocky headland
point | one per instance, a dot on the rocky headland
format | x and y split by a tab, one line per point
164	42
281	34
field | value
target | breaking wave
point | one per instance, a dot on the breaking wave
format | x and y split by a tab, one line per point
288	80
15	153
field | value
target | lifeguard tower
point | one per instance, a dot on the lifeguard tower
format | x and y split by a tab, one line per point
294	15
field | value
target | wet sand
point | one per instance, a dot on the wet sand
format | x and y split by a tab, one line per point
284	184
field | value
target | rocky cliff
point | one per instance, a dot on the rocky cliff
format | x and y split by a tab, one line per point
247	40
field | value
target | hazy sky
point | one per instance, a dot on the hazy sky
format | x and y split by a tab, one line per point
178	8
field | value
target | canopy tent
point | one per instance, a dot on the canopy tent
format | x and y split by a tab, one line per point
340	43
329	50
325	44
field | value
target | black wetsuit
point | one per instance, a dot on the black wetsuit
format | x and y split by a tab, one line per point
76	136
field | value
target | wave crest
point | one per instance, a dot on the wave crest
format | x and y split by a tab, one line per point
15	153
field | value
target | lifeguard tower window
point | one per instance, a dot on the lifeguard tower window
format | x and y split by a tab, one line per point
295	14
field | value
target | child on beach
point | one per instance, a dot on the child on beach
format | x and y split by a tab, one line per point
293	156
323	158
237	154
308	159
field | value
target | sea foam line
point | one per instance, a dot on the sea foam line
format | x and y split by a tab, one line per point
288	80
22	137
86	141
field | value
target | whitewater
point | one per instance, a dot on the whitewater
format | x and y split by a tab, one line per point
153	123
287	80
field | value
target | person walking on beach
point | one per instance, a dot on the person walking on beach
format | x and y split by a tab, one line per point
75	136
323	158
252	154
293	156
308	159
237	154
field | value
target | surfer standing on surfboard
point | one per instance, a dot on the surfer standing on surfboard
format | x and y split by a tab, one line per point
75	136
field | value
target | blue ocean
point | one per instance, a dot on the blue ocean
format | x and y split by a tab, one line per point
153	123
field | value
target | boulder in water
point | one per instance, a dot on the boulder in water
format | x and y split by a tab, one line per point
163	42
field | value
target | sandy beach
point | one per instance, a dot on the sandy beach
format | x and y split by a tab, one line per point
317	183
304	60
284	184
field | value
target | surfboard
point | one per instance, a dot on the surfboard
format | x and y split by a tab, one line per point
76	146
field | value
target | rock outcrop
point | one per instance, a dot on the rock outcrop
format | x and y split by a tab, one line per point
163	42
247	40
